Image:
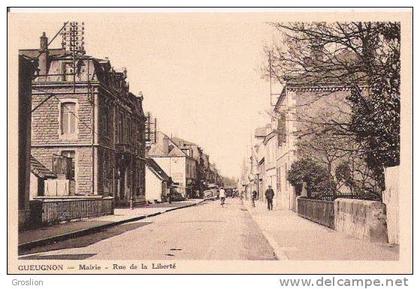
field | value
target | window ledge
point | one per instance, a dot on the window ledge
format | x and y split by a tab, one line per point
68	137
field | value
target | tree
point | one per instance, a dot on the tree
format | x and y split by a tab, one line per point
362	56
357	178
318	180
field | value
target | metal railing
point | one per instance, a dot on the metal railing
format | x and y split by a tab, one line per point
52	210
364	196
319	211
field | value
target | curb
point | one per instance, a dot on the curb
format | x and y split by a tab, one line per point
87	231
278	252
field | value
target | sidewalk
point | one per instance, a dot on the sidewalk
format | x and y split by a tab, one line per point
45	235
296	238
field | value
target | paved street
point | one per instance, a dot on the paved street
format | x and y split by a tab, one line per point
209	232
206	231
296	238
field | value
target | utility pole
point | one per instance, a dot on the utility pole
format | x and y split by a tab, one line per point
270	67
73	40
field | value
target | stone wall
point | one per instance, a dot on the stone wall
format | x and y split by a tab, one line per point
391	200
361	219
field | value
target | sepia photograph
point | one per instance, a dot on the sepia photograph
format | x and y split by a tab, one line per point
209	141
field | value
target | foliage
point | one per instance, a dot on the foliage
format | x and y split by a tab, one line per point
359	178
376	119
362	56
343	174
315	175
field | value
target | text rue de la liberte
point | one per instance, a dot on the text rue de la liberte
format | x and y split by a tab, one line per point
121	267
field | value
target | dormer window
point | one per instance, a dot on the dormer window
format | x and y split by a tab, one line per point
68	71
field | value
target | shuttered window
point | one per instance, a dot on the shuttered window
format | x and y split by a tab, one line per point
68	118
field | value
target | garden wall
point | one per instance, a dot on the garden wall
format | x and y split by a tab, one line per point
391	200
361	219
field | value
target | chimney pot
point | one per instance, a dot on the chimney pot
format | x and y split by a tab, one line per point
44	42
43	56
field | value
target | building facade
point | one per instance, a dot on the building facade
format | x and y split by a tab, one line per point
87	127
158	183
296	107
176	162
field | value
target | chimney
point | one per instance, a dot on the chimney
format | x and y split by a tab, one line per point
43	55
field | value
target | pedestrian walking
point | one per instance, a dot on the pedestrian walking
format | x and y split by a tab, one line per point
269	195
254	197
222	196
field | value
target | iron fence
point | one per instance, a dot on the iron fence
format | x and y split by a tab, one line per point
319	211
48	210
332	197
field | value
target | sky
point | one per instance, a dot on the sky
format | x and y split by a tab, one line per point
200	73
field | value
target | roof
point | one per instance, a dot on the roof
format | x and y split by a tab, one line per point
155	150
34	53
308	84
179	141
40	170
175	151
157	170
182	144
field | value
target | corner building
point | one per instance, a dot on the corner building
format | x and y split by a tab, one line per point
87	127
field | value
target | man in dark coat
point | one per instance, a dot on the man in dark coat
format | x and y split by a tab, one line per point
269	195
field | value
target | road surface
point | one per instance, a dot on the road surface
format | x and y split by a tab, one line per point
203	232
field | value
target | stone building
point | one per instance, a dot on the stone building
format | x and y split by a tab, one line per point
178	163
296	109
87	127
202	165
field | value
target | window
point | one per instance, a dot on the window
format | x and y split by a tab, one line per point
120	127
67	71
105	171
126	130
129	130
70	155
64	165
105	120
68	118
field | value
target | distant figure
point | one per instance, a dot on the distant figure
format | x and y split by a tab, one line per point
269	194
222	196
254	197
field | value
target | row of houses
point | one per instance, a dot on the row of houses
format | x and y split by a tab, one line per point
183	163
301	109
82	136
276	145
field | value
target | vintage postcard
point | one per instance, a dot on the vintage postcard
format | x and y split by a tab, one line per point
209	141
